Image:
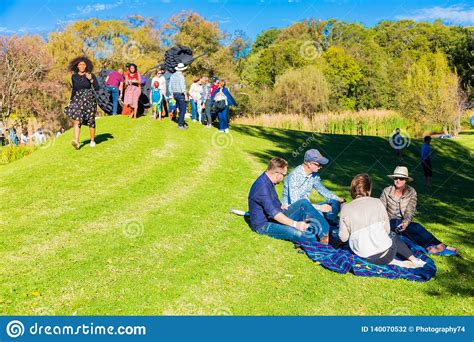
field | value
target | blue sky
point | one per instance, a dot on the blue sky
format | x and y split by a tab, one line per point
28	16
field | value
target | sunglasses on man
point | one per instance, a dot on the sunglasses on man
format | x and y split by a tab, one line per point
281	173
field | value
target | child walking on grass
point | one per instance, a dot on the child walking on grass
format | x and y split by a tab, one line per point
155	97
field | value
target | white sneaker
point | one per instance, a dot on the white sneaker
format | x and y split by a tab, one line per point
92	144
418	262
226	130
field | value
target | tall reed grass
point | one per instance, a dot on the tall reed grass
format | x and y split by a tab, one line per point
366	122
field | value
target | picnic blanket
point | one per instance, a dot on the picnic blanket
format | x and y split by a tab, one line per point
342	260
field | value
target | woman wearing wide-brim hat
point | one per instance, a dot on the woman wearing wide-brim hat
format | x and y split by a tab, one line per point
400	200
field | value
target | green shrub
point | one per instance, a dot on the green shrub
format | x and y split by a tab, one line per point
12	152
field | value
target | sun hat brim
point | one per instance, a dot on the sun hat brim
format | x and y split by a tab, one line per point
400	176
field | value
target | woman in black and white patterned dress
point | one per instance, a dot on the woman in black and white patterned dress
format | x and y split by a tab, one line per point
82	107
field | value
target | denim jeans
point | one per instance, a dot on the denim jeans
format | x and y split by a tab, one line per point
208	112
181	104
194	111
301	210
332	216
115	95
416	233
223	118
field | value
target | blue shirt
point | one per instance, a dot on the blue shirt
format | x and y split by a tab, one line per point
298	185
229	101
155	95
263	202
425	152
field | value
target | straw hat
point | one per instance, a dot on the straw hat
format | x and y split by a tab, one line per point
400	172
181	67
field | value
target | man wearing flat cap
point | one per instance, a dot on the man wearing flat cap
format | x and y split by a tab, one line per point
304	178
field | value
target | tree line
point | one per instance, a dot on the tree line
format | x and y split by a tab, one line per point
424	71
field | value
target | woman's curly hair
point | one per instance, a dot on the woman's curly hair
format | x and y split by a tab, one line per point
73	64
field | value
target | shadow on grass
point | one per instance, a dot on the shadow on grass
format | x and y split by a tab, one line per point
448	202
98	139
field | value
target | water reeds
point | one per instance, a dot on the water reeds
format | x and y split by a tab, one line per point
365	122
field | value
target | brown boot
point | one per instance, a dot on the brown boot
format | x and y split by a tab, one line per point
325	239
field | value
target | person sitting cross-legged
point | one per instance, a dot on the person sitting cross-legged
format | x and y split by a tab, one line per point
300	222
365	224
304	178
400	201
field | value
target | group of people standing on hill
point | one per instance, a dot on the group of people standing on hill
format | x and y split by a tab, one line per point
165	97
205	98
126	85
371	227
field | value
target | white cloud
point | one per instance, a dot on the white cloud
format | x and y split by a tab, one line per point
456	14
97	7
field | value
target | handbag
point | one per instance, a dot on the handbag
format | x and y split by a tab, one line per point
219	101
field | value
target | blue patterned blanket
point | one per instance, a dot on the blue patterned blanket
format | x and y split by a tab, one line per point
343	260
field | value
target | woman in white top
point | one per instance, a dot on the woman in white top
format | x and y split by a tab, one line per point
162	85
364	223
195	96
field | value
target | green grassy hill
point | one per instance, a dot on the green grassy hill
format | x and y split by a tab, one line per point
141	225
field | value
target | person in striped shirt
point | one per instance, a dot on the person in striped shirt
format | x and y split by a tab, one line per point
178	89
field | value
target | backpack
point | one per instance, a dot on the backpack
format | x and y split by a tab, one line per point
127	110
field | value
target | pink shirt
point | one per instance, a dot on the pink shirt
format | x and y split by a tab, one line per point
114	79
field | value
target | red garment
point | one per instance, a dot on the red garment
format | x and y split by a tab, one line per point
213	89
114	80
132	77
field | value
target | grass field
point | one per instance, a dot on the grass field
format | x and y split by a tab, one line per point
140	225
